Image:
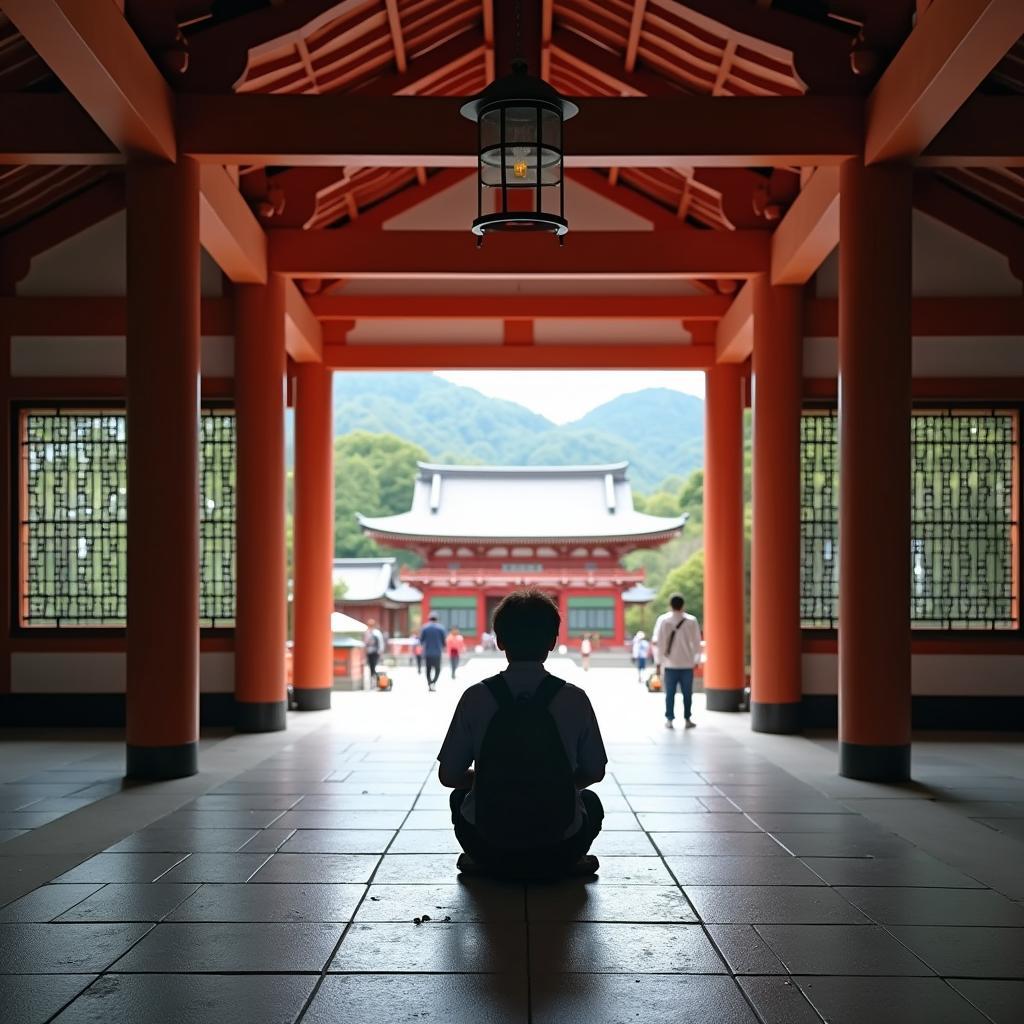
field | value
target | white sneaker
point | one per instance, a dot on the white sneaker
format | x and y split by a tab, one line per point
668	723
691	724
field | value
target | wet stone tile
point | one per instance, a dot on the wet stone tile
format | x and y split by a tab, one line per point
920	870
726	870
343	819
195	999
771	904
35	998
612	999
316	867
430	841
284	902
888	1001
967	952
999	1000
64	948
184	840
615	948
146	901
778	1000
433	947
217	867
413	999
245	948
575	901
324	840
122	867
840	950
962	907
716	844
744	950
46	903
706	822
475	900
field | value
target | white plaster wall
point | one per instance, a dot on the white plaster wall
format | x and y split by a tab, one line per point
946	263
94	262
92	672
933	357
946	675
102	356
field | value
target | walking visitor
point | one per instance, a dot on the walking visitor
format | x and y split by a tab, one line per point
432	639
677	646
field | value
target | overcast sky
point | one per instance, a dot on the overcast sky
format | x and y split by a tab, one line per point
566	395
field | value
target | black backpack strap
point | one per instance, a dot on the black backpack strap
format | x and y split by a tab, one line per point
549	686
499	691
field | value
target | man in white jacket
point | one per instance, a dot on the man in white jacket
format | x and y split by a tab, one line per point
677	651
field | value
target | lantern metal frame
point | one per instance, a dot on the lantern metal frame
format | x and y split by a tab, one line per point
520	91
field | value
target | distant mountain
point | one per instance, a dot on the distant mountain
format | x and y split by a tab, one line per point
659	431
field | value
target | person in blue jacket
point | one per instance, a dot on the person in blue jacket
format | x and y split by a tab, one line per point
432	638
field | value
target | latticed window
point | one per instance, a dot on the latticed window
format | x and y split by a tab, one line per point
964	519
819	520
456	613
592	615
73	518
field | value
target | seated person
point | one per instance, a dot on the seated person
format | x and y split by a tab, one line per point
524	810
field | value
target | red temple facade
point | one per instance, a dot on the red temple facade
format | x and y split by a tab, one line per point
483	531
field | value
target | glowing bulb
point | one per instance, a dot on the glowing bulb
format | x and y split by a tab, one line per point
519	168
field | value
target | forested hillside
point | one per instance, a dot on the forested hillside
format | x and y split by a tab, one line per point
659	431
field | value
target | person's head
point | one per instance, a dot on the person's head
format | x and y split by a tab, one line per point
371	623
432	617
526	625
676	602
640	634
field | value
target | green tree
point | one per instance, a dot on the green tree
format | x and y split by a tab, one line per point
688	580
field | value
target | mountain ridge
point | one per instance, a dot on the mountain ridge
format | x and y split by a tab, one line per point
660	432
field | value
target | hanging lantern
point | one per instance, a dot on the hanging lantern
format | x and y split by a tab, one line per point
519	145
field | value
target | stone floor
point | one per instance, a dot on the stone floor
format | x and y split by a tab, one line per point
741	881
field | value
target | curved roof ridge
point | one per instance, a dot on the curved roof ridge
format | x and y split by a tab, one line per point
603	467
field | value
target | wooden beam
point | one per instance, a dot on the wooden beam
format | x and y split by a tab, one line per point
685	253
985	132
633	40
51	128
734	338
809	231
303	335
397	41
956	317
954	46
360	131
93	316
92	49
625	356
228	231
425	71
704	308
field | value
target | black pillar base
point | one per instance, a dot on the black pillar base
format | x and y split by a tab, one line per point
269	716
874	764
722	700
312	698
155	763
778	718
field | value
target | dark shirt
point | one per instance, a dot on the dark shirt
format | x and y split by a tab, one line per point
433	637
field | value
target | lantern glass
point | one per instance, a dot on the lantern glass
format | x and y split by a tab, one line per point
517	148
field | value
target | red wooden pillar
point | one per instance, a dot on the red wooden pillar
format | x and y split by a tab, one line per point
261	603
313	546
163	468
874	471
725	671
776	686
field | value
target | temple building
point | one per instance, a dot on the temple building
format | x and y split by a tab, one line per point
482	531
371	588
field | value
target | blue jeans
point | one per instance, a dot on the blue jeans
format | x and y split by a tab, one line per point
683	678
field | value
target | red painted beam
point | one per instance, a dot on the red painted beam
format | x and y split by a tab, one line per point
624	356
685	253
954	46
984	133
957	317
421	131
510	307
51	128
94	52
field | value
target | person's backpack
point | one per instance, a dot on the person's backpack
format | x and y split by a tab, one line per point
525	791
